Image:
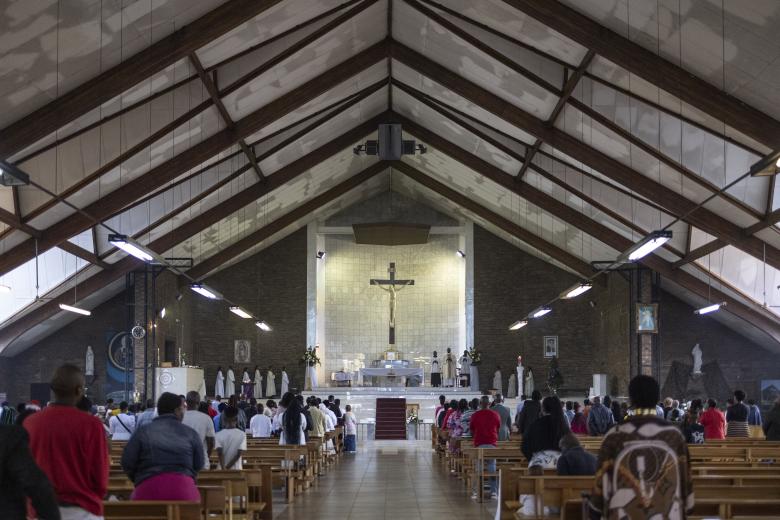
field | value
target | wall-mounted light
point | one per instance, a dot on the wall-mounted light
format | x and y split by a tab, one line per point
206	291
460	253
518	325
573	292
238	311
77	310
262	325
710	308
162	312
321	255
541	311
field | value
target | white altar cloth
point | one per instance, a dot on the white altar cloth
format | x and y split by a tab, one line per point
412	371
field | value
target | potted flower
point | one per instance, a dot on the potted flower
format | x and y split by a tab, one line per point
310	357
475	355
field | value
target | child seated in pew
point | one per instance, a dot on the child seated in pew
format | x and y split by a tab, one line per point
230	441
574	460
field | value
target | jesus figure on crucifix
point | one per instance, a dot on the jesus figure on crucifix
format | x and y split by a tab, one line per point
392	286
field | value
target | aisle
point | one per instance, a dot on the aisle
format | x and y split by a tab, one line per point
388	480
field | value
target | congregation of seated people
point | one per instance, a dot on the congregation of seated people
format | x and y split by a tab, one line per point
550	435
57	457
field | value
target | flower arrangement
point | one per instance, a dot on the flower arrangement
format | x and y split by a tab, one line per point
412	418
475	355
310	357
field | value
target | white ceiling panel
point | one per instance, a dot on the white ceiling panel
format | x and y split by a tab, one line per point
427	37
348	39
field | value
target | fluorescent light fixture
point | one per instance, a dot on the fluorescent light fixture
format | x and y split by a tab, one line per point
10	175
263	326
321	254
645	246
541	311
518	325
5	289
131	247
575	291
460	253
162	312
238	311
77	310
710	308
206	291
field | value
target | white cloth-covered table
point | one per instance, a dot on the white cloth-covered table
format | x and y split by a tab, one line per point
406	372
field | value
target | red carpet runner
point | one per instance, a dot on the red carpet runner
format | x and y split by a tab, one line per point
390	419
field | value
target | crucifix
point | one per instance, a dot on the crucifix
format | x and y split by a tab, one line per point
392	286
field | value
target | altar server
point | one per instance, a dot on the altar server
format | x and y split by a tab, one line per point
270	383
285	381
258	393
449	369
497	384
230	387
435	370
246	382
219	389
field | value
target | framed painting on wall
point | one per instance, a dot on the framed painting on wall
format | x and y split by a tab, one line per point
242	351
550	346
647	317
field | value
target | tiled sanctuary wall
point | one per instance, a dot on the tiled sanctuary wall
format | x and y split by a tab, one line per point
356	314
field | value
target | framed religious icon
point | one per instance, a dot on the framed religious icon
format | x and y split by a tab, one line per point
550	346
242	351
647	317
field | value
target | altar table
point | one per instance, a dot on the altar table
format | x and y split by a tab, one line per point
392	376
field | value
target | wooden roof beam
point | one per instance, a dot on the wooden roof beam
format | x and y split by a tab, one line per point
674	202
208	148
130	72
569	260
206	219
654	69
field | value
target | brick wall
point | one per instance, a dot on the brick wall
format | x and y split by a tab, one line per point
743	363
509	283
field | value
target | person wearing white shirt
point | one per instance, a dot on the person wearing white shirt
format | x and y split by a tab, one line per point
260	425
230	441
350	431
330	425
122	425
292	430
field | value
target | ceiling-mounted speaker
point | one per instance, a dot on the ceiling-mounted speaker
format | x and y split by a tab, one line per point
390	142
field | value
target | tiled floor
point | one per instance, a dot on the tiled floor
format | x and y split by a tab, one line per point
385	480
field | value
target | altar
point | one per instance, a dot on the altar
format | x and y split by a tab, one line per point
393	376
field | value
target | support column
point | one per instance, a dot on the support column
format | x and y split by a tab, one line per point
467	243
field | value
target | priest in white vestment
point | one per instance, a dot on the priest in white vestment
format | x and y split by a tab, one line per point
465	366
230	385
497	384
285	382
219	388
449	369
245	382
270	384
258	393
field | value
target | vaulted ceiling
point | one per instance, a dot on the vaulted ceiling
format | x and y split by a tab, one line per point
210	129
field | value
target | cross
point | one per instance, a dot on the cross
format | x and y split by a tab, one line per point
391	284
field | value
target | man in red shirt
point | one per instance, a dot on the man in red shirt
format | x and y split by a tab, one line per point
484	425
714	421
70	447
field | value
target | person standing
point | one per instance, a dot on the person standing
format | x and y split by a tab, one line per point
147	415
285	382
258	388
230	442
449	369
317	417
772	422
219	387
737	417
643	465
532	410
350	431
541	441
122	425
435	371
163	458
230	383
569	412
70	447
498	384
260	424
600	419
270	383
22	479
202	424
754	420
714	421
505	415
291	422
578	425
484	427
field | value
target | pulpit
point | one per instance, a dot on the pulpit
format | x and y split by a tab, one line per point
178	380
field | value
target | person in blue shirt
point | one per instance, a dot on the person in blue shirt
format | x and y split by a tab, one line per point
218	417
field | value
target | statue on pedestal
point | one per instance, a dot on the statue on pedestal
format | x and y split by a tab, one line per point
529	383
89	362
554	377
697	354
520	369
497	380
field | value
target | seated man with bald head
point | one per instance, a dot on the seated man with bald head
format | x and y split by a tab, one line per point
70	447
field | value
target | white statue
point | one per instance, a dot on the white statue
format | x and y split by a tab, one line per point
270	384
511	391
529	384
230	386
219	388
519	370
285	382
89	362
497	383
258	392
696	353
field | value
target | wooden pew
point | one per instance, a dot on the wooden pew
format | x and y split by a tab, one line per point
151	510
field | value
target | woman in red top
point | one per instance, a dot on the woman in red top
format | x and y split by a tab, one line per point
579	424
714	421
